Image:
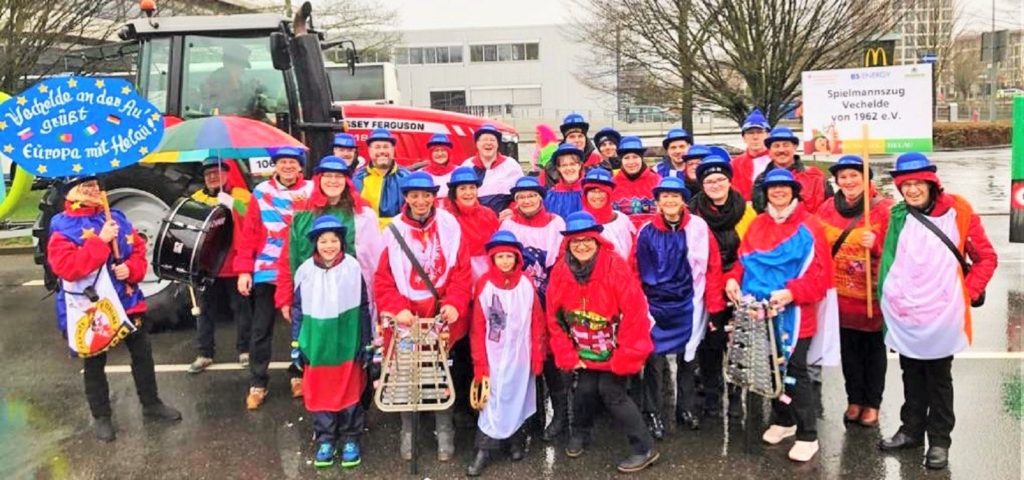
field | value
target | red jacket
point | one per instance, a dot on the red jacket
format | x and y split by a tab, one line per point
455	291
612	295
635	197
809	288
979	250
848	264
743	174
478	328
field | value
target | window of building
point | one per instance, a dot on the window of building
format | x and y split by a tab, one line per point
504	52
428	55
448	100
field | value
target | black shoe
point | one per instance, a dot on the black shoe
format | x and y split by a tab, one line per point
656	426
516	450
900	441
575	447
480	461
104	429
555	428
937	458
638	461
159	411
688	420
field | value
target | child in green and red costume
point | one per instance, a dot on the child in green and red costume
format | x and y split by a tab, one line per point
331	323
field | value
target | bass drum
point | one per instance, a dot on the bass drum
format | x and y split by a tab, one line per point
193	242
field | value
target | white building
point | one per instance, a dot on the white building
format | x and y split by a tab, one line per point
517	72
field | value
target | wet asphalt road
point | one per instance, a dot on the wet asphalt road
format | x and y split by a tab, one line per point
45	431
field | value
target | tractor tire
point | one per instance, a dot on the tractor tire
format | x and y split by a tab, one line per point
145	194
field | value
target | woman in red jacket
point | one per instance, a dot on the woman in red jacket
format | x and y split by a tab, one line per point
600	329
787	262
861	340
477	221
634	183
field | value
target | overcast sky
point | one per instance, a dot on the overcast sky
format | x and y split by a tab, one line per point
433	14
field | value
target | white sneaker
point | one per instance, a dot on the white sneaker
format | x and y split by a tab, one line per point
199	364
778	433
803	451
243	359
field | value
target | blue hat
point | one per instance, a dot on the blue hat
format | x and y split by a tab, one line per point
721	152
697	151
419	181
676	134
849	162
215	162
911	162
289	152
607	133
631	145
714	164
599	176
755	120
527	184
671	185
781	176
463	176
486	129
324	224
439	139
381	135
344	140
579	222
330	163
71	182
780	134
573	121
504	238
567	149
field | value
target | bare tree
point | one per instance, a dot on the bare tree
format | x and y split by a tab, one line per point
964	64
736	54
371	25
34	34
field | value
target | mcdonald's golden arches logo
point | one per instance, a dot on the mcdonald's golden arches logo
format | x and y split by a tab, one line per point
873	55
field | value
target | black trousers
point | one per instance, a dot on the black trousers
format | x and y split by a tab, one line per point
928	399
864	366
557	386
342	427
655	372
97	390
594	388
263	316
222	302
803	396
710	355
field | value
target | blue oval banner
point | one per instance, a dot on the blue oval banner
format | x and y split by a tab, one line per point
66	126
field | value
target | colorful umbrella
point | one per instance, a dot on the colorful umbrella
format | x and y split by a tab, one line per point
220	136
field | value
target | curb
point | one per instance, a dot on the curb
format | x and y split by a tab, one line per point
16	250
968	149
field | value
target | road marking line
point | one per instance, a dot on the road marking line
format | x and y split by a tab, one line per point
33	283
183	367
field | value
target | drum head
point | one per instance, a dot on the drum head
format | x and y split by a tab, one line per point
193	242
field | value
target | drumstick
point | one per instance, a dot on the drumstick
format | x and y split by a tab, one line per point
196	311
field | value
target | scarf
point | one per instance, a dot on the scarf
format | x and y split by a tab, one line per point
634	176
604	214
722	220
539	219
504	280
327	265
581	270
780	216
478	224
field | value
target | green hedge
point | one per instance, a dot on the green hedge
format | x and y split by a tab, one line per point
970	134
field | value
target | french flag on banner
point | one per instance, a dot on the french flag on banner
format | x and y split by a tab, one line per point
25	133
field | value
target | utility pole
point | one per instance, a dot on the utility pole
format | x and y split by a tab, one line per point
618	70
992	68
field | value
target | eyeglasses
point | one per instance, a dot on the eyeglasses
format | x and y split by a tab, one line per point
332	176
527	196
715	181
576	242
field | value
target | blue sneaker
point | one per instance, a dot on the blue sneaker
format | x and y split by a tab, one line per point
350	455
324	455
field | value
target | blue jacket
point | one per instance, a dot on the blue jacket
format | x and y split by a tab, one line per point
667	281
391	199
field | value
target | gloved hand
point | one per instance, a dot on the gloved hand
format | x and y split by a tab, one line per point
296	356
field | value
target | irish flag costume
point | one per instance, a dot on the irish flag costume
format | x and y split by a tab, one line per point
926	296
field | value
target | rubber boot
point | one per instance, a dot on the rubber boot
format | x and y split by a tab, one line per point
445	424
